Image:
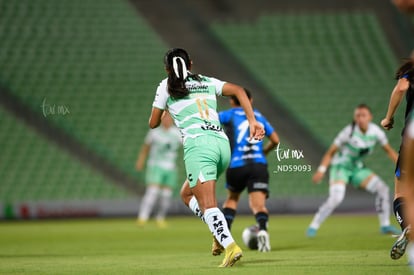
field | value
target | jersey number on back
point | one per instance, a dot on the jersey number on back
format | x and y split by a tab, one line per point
202	108
243	128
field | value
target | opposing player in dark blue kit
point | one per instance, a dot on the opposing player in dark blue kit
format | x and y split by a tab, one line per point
403	88
248	168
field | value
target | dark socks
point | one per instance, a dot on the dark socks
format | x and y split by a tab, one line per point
399	205
229	214
262	219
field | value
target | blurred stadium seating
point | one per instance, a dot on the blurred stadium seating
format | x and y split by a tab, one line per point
321	65
101	61
35	169
88	58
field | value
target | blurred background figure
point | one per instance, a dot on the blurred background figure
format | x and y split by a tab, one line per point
248	168
54	59
160	148
406	6
345	156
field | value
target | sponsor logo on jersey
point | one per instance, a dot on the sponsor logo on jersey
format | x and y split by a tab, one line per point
211	127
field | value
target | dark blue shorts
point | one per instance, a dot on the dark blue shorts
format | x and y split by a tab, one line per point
254	176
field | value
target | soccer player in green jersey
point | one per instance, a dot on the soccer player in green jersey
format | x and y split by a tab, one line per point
191	99
160	150
345	157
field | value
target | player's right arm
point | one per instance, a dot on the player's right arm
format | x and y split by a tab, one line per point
142	156
396	97
323	166
159	105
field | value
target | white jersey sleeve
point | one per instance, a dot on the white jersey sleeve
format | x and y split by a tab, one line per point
218	84
343	136
149	137
382	137
161	96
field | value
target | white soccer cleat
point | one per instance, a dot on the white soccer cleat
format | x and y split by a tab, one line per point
263	241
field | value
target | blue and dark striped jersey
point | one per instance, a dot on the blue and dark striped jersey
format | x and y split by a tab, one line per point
237	129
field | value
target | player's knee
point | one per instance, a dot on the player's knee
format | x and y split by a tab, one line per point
377	186
152	190
233	196
383	188
336	194
166	193
185	194
335	200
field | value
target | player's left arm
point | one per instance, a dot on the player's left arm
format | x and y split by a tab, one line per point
273	142
392	154
397	96
271	134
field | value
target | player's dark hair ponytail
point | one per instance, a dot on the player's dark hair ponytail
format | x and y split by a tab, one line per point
406	68
177	62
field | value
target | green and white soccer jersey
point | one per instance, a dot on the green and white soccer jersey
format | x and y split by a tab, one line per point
162	157
206	146
195	114
354	145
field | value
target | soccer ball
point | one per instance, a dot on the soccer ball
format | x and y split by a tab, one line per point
249	236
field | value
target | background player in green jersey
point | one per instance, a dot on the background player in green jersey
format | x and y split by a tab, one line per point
345	157
160	148
191	99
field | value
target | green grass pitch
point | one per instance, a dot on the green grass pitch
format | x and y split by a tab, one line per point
345	244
